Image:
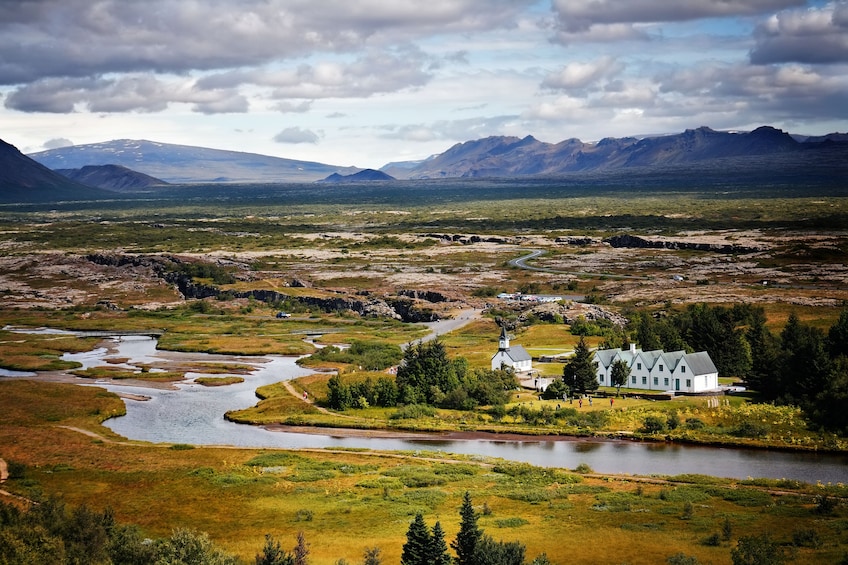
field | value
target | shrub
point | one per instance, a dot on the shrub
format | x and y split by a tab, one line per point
750	429
412	411
653	425
807	537
694	424
303	515
712	540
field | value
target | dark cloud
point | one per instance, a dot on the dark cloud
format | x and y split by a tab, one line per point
817	35
78	38
616	20
129	93
296	135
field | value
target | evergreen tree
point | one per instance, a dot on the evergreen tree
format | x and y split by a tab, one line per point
273	553
438	547
338	394
580	373
416	550
837	337
372	556
491	552
301	550
469	535
618	374
765	356
806	368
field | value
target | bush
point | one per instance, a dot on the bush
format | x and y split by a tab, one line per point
653	425
412	411
806	538
750	429
694	424
712	540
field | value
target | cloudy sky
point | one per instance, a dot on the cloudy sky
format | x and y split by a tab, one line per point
365	82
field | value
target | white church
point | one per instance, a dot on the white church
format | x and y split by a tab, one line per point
513	357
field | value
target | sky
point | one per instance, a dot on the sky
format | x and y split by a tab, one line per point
367	82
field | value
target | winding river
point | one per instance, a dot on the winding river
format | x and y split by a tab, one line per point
193	414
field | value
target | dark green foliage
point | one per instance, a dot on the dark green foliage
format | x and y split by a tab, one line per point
369	355
416	550
372	556
491	552
301	550
555	390
273	553
217	274
427	376
338	394
757	550
469	535
653	425
618	374
438	547
682	559
579	374
806	537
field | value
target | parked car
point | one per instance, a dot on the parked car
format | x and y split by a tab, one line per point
283	315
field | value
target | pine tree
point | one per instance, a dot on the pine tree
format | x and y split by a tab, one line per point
438	547
580	373
618	374
273	553
301	550
416	550
469	534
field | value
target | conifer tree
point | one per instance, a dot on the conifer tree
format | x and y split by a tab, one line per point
438	547
416	550
468	537
580	372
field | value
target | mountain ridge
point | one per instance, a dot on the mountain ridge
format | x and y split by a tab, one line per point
112	177
24	180
187	164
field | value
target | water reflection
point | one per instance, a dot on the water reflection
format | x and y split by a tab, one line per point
195	414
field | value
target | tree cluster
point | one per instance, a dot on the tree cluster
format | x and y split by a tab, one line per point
426	376
803	365
368	355
472	545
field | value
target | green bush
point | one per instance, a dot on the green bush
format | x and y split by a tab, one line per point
413	411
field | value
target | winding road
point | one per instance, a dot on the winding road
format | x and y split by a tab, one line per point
521	263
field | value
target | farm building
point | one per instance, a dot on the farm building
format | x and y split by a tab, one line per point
658	370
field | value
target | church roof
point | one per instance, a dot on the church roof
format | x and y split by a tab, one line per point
518	353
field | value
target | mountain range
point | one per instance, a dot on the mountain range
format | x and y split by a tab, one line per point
515	157
499	156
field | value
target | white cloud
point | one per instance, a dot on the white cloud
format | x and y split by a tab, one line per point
57	142
815	35
580	76
296	135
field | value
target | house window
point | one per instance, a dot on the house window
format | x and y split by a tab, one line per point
665	381
633	379
639	366
683	369
660	368
656	380
602	379
688	383
644	380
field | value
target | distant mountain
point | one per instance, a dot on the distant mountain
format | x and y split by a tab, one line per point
112	177
512	156
366	175
24	180
187	164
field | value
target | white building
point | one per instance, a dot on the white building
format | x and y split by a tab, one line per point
514	357
676	371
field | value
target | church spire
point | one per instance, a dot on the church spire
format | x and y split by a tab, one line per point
503	341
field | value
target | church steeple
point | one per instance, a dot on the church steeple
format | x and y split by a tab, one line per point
503	341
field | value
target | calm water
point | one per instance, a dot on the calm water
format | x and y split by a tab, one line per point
194	414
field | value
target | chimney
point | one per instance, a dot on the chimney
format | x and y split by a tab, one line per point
633	348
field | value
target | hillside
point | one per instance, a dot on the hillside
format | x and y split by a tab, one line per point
112	177
511	156
367	175
24	180
187	164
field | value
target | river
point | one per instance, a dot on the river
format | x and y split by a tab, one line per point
193	414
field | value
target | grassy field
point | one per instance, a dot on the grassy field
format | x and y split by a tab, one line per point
347	501
306	244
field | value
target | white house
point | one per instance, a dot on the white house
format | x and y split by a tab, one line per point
514	357
661	371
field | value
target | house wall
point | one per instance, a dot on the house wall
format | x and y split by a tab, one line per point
660	376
